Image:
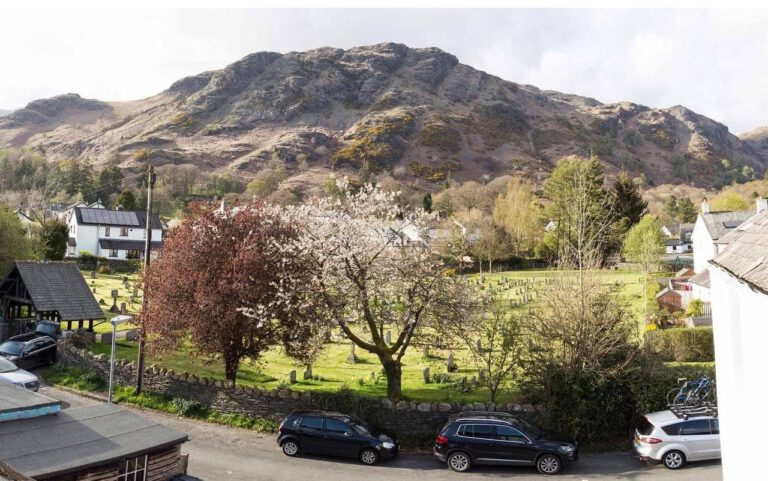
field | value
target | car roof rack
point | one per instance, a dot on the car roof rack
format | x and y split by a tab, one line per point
685	412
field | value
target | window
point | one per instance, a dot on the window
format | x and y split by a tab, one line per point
673	429
134	469
505	433
113	253
483	431
312	423
336	426
697	427
106	232
132	254
123	232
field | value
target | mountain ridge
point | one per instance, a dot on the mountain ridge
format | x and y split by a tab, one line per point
417	114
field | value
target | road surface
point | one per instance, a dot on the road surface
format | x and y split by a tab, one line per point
219	453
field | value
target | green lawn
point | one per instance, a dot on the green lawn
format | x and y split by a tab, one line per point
332	371
104	283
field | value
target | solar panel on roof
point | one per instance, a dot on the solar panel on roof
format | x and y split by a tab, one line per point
730	224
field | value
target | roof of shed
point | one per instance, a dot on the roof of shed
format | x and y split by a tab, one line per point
108	217
79	438
746	257
701	279
59	286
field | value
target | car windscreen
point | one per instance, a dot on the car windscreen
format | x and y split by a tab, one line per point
532	431
7	366
644	426
358	427
13	348
46	329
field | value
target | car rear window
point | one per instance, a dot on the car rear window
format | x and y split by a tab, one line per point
645	427
310	422
672	429
696	427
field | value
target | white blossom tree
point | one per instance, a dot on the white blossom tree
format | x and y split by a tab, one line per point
372	270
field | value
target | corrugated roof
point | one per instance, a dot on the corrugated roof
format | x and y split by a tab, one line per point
59	286
720	223
123	218
746	257
79	438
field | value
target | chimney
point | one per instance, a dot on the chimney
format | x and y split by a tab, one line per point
761	204
704	206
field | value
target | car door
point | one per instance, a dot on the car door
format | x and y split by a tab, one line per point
481	441
311	435
28	358
713	440
340	438
695	434
513	446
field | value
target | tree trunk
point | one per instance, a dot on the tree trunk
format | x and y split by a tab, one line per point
230	369
394	372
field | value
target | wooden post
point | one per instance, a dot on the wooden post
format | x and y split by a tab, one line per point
147	257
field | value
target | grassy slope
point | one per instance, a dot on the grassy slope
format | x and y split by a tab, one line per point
332	369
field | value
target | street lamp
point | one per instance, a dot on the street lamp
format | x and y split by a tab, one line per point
116	321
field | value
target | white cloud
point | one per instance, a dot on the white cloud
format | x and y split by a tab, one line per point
712	61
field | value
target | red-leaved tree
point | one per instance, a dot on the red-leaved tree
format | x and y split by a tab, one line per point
223	285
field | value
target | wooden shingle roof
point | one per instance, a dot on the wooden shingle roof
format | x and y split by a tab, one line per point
58	286
746	256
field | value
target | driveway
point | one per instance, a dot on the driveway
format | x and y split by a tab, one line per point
219	453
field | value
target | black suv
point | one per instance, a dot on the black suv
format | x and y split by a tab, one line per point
497	438
29	353
333	434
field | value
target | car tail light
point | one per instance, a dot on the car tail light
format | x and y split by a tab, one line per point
280	428
441	440
649	440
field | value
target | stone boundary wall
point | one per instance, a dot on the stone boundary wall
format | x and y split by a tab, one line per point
405	419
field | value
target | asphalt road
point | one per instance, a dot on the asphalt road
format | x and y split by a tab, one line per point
218	453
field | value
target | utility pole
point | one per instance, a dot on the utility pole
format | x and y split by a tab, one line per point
151	177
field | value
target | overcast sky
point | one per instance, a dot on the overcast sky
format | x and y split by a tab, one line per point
714	62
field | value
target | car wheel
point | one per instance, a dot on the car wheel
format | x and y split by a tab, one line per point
674	460
369	456
549	464
290	448
459	462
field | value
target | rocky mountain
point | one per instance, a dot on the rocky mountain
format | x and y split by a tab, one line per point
5	112
758	140
415	113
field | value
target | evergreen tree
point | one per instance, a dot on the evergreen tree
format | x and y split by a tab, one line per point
427	202
686	211
671	210
53	241
109	182
14	243
628	202
127	201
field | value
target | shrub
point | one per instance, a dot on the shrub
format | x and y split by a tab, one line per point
693	344
105	269
185	407
652	385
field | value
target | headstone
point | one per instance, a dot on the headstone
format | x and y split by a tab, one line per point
352	358
388	337
135	292
479	346
123	309
426	351
125	279
438	342
114	293
105	338
293	377
93	274
425	375
132	335
308	373
94	290
451	363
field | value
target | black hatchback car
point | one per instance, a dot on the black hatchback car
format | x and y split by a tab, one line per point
333	434
487	438
29	353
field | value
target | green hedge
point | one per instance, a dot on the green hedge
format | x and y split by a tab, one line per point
692	344
651	388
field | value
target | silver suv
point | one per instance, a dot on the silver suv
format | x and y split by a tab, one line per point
665	437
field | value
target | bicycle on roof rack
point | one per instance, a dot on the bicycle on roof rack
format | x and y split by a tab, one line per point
693	394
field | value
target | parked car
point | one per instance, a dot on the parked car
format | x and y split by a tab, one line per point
334	434
12	374
667	438
42	328
501	439
39	351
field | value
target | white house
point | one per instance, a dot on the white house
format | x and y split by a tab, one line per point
114	234
739	290
709	228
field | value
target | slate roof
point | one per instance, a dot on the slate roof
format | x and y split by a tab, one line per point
701	279
78	438
720	223
124	244
58	286
122	218
746	257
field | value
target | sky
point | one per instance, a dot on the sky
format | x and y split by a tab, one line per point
714	62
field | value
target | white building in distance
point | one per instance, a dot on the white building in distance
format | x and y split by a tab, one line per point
114	234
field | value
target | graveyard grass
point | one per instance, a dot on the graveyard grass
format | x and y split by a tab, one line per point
332	371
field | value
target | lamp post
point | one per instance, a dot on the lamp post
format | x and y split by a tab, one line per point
116	321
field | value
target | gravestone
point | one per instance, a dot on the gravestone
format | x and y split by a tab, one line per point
426	351
479	346
425	375
388	337
123	309
352	358
293	377
93	274
132	335
114	302
125	279
308	373
438	342
451	363
135	292
94	290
